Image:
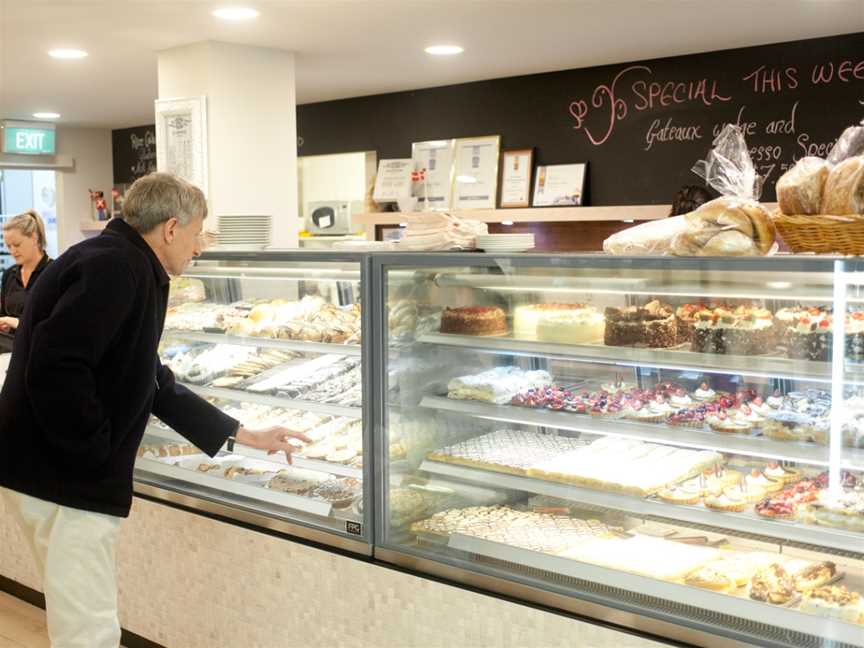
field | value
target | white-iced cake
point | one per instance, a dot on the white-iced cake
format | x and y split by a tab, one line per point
583	326
498	385
526	319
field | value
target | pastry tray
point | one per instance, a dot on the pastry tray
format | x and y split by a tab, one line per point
167	467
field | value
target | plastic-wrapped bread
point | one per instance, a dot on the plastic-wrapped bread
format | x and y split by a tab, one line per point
648	239
844	188
800	189
726	227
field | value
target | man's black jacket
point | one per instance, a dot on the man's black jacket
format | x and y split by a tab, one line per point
85	376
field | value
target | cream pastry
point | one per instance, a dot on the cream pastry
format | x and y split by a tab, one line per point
704	393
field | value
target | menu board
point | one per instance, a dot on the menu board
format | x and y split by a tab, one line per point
640	126
134	153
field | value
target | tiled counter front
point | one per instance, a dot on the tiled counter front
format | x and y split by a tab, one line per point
187	581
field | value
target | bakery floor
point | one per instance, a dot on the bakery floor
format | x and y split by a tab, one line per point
21	625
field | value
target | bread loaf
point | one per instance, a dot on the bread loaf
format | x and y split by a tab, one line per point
844	188
726	227
800	189
648	239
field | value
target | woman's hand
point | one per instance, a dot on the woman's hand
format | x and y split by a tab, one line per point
8	324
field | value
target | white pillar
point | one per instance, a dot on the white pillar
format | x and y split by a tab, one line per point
251	126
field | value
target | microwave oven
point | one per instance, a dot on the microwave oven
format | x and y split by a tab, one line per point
328	217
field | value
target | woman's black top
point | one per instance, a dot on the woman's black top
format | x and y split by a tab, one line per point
13	293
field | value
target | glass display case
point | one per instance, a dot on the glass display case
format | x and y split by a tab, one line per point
271	339
673	445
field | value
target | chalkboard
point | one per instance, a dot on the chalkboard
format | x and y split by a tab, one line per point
134	153
640	126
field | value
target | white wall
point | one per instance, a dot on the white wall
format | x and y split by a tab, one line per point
252	134
83	162
91	149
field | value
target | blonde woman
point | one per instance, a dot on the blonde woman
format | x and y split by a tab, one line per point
24	236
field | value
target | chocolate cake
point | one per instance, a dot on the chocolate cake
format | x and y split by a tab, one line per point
474	320
652	325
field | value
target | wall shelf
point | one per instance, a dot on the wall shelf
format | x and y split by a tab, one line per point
529	215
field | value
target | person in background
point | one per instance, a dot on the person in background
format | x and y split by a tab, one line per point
24	236
689	198
84	378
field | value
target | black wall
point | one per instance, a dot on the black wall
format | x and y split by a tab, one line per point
568	116
134	152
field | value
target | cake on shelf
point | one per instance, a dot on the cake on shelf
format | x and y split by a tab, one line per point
644	555
743	330
685	321
810	335
498	385
510	451
652	325
581	326
561	323
474	320
631	467
542	532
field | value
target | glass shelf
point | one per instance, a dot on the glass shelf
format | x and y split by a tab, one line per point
751	525
744	444
756	366
268	343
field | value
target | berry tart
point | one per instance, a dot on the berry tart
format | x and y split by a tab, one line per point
680	400
704	393
727	502
757	480
687	493
692	418
776	472
746	414
722	422
637	410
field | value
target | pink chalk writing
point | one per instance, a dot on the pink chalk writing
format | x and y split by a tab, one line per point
602	94
772	80
614	105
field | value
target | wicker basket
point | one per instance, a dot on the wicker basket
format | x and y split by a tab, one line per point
822	234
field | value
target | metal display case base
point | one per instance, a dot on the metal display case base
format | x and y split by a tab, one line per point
594	600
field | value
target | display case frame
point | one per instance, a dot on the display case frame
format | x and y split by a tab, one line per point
306	522
672	611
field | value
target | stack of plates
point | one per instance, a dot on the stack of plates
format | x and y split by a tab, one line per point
505	242
244	232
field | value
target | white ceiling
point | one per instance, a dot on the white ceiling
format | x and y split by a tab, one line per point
347	48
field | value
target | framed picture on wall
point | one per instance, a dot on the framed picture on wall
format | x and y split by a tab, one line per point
433	166
516	169
559	185
181	139
475	183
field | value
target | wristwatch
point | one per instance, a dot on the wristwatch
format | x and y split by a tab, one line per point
232	439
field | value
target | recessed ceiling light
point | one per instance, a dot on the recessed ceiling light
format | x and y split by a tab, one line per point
64	53
444	50
236	13
46	115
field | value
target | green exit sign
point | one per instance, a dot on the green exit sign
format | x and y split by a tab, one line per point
29	139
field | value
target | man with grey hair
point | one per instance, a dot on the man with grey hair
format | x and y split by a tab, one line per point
83	381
